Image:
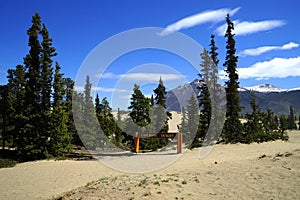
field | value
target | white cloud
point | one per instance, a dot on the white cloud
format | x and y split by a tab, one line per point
151	76
200	18
264	49
275	68
141	76
247	28
108	75
102	89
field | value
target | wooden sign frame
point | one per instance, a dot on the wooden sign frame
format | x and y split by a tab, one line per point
159	136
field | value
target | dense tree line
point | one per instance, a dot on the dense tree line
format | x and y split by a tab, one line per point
35	103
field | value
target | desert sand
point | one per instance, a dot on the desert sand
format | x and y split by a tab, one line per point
268	170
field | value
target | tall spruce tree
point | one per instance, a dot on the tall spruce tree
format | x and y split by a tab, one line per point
232	128
254	127
291	119
60	138
204	98
17	84
47	52
217	96
69	90
6	114
193	119
89	134
162	116
34	137
183	124
139	106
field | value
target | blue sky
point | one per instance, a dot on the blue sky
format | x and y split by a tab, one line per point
267	38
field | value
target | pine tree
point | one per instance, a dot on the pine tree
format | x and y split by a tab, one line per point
253	127
204	98
47	52
162	116
60	139
291	124
6	114
106	120
34	137
17	84
139	107
89	133
193	119
232	128
69	90
183	125
139	117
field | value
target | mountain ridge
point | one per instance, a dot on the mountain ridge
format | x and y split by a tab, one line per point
268	96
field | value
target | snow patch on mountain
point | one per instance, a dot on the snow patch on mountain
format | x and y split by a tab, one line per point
263	88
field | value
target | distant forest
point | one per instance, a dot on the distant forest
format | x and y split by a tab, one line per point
39	107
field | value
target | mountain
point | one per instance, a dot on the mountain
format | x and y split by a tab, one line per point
178	97
263	88
268	96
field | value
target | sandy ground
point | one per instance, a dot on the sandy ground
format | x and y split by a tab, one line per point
257	171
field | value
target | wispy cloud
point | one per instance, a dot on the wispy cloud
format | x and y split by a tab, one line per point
102	89
247	28
264	49
275	68
213	16
141	76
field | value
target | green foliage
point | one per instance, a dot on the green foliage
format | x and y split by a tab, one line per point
60	138
193	119
40	127
183	127
139	106
204	99
5	163
107	122
6	115
232	128
291	120
89	132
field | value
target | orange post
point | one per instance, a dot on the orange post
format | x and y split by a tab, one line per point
136	143
179	142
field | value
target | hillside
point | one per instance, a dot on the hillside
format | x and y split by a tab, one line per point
268	96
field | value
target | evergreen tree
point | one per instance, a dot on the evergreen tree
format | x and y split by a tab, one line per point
183	128
140	118
106	120
162	116
253	127
34	138
60	139
193	119
232	128
6	114
291	119
139	107
204	97
283	123
69	90
90	135
17	84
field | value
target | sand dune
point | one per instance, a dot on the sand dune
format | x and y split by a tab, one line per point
257	171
